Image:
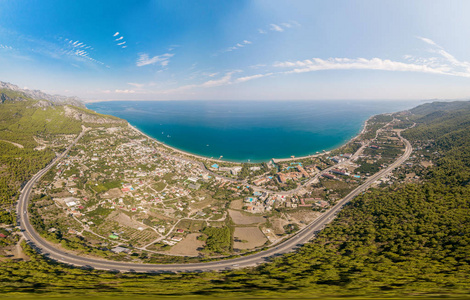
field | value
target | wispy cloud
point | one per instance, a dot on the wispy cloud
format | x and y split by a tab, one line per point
124	91
119	41
144	59
5	47
445	64
76	48
280	27
275	27
318	64
247	78
137	85
237	46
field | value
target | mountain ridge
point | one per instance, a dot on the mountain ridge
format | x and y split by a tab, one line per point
39	95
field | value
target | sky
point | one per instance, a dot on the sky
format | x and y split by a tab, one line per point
238	50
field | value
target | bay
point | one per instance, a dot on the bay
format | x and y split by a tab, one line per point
253	131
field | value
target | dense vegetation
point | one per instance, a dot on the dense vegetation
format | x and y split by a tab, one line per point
403	240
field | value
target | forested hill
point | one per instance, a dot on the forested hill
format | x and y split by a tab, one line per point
443	107
404	240
31	133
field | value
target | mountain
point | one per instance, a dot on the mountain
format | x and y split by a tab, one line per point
36	95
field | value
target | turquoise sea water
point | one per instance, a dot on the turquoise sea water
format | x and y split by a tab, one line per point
250	130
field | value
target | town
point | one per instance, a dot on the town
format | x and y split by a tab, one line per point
128	197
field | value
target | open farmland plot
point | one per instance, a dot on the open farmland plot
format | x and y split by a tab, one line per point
248	238
188	246
240	218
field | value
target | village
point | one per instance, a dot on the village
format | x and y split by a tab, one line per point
120	191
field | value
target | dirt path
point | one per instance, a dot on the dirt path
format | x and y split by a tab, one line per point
14	144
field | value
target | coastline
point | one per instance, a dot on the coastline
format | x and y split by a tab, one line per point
178	150
275	160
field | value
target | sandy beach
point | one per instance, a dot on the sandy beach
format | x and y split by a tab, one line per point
275	160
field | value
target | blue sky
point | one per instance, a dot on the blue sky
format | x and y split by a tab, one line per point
269	50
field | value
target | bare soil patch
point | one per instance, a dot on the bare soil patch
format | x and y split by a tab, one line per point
236	204
426	164
125	220
304	216
112	193
241	219
278	225
248	238
188	246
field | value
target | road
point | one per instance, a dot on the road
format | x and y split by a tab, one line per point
302	237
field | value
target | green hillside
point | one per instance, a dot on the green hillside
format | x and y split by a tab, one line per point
40	129
401	241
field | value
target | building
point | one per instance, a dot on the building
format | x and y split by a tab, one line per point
329	176
281	177
340	172
120	249
302	171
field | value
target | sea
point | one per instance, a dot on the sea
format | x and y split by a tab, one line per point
250	131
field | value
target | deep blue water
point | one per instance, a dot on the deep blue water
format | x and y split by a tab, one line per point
254	130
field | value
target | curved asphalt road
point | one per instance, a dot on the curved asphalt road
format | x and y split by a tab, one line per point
303	236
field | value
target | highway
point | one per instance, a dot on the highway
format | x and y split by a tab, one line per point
303	236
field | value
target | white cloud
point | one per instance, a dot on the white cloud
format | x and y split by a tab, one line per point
145	60
120	44
318	64
238	45
261	31
275	27
119	38
124	47
247	78
124	91
222	81
287	25
137	85
116	34
428	41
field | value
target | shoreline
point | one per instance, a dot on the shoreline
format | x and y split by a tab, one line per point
275	160
175	149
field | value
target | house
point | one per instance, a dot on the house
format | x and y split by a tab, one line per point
329	176
261	181
120	249
176	238
321	203
192	179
